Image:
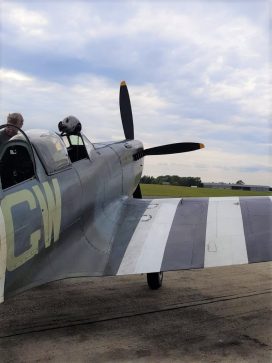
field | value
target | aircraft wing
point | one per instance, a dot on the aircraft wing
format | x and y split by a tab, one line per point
134	236
173	234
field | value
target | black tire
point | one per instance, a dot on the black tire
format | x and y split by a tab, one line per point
154	280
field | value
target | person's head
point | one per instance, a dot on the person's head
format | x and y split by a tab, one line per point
15	119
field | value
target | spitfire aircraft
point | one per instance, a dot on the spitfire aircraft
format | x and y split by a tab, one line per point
71	208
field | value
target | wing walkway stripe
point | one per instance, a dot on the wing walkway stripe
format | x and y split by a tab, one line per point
186	242
146	248
225	238
257	220
3	255
124	234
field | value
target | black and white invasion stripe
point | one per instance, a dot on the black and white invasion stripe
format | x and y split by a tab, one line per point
190	233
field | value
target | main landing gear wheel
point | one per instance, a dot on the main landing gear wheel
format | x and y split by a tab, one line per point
154	280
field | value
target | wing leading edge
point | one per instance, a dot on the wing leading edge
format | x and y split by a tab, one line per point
174	234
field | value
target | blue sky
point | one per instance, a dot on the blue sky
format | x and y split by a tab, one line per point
196	71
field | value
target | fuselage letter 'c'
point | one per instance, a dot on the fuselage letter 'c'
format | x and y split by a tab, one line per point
8	202
50	205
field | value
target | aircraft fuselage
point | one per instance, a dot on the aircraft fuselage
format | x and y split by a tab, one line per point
78	206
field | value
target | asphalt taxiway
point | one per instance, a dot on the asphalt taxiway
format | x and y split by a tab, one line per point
211	315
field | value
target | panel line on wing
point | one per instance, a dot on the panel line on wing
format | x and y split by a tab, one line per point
146	248
225	237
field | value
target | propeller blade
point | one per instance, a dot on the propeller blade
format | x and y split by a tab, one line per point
181	147
126	111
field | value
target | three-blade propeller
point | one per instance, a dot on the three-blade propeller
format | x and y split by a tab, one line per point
127	121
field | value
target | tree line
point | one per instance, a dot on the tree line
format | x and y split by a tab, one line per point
172	180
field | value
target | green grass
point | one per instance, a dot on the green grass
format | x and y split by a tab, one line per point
177	191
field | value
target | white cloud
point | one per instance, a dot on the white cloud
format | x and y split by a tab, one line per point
10	75
80	23
196	72
28	22
212	165
94	100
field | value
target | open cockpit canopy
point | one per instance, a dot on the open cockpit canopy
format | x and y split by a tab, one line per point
50	149
78	146
56	152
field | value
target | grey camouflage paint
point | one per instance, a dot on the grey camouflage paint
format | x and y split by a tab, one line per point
99	219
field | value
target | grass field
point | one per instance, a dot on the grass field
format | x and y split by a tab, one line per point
177	191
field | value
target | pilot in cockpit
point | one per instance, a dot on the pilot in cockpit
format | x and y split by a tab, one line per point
15	119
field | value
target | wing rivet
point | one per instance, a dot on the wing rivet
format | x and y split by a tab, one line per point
146	218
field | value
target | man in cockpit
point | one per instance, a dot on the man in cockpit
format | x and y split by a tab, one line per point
15	119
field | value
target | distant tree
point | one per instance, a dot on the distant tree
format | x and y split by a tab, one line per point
145	179
240	182
172	180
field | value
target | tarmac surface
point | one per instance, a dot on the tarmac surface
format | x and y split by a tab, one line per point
211	315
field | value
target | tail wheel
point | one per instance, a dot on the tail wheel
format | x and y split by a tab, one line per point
154	280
